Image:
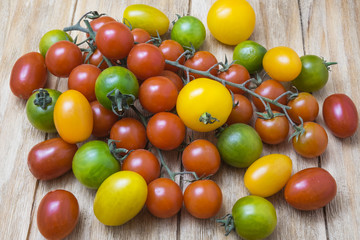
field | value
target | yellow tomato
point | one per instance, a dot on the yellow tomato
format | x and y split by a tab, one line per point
73	117
120	198
200	97
282	64
231	21
268	175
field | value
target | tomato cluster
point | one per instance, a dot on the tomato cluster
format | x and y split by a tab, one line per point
172	87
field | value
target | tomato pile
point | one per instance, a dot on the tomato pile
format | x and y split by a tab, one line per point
171	86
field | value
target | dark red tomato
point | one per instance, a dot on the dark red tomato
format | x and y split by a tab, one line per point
165	131
83	78
236	74
164	198
158	94
114	40
203	61
95	59
140	35
28	73
312	142
242	112
201	157
274	130
144	163
103	118
340	115
310	189
270	89
305	106
51	158
58	214
172	51
96	24
130	133
174	78
62	57
145	60
203	199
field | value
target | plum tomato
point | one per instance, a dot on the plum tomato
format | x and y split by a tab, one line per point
274	130
235	74
103	118
140	35
305	106
189	31
172	51
202	61
52	37
270	89
242	112
174	78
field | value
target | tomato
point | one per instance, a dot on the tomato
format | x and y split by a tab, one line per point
40	109
235	74
148	18
130	133
239	145
144	163
310	189
172	51
165	131
114	40
274	130
231	22
314	74
103	118
95	59
97	23
268	175
119	198
145	60
282	64
254	217
201	97
50	38
115	78
158	94
174	78
73	117
93	163
242	112
164	198
203	61
305	106
57	214
340	115
201	157
203	199
249	54
189	31
83	78
28	73
51	158
140	35
270	89
312	142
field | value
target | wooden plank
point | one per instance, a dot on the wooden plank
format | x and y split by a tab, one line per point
331	29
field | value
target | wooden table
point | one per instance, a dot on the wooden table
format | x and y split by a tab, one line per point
328	28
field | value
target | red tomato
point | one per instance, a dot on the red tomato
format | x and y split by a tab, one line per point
270	89
340	115
140	35
202	60
305	106
165	131
174	78
310	189
103	118
172	51
28	73
236	74
272	131
62	57
164	198
95	59
97	23
242	112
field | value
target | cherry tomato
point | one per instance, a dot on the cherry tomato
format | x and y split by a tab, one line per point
310	189
57	214
174	78
250	54
73	117
51	158
95	59
172	51
305	106
158	94
97	23
164	198
83	78
274	130
203	61
103	118
203	199
144	163
189	31
28	73
140	35
50	38
235	74
270	89
312	142
340	115
145	60
165	131
242	112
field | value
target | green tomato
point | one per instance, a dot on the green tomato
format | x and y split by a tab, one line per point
239	145
93	163
40	109
249	54
189	30
52	37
